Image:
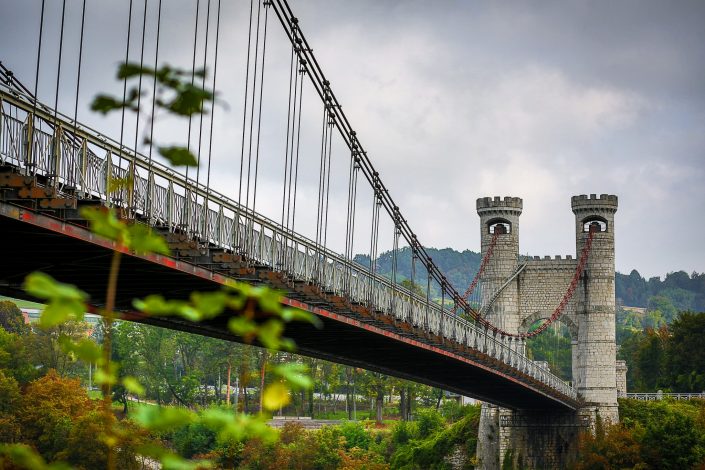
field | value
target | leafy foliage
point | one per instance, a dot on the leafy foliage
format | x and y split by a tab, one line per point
668	358
678	291
663	434
11	318
175	94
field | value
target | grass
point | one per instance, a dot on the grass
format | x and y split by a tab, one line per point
22	303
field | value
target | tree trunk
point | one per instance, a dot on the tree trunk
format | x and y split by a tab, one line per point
227	397
262	372
379	405
402	404
409	401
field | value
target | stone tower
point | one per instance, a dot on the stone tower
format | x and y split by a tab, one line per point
595	311
501	216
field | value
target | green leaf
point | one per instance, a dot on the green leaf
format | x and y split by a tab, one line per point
171	461
133	385
44	286
189	100
66	301
143	239
104	222
296	314
103	377
210	304
157	305
269	334
85	349
168	459
275	396
61	310
163	419
295	373
269	300
287	344
130	69
231	426
241	326
178	156
104	104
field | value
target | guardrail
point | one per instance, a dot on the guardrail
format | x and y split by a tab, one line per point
661	396
80	161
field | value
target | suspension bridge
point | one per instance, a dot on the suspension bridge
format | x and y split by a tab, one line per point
302	242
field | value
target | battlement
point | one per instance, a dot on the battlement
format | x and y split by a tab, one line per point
604	201
548	258
506	203
551	262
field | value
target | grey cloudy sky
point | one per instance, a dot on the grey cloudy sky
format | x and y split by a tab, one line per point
455	101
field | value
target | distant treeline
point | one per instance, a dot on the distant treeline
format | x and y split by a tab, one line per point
683	291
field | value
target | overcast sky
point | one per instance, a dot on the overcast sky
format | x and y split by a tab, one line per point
453	101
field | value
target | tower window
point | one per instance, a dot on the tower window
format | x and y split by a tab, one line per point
594	224
499	226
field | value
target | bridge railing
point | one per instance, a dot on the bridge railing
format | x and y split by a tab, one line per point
78	160
661	396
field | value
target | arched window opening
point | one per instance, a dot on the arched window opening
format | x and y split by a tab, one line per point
499	227
594	224
553	346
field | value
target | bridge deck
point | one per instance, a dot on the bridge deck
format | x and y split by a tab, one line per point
72	254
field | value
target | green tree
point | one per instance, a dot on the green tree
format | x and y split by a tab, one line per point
376	385
651	359
685	354
16	356
670	442
663	304
11	318
10	400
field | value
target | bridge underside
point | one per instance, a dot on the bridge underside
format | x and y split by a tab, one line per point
70	253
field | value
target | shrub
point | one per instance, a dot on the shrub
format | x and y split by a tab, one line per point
355	435
403	432
193	439
429	421
430	453
48	408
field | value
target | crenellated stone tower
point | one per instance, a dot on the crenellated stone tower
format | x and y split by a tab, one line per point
596	377
501	216
537	287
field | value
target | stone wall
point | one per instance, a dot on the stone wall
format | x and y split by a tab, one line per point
621	372
542	286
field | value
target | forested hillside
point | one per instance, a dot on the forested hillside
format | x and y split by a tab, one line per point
683	291
459	267
678	291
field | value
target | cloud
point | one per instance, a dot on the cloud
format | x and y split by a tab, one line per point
453	101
